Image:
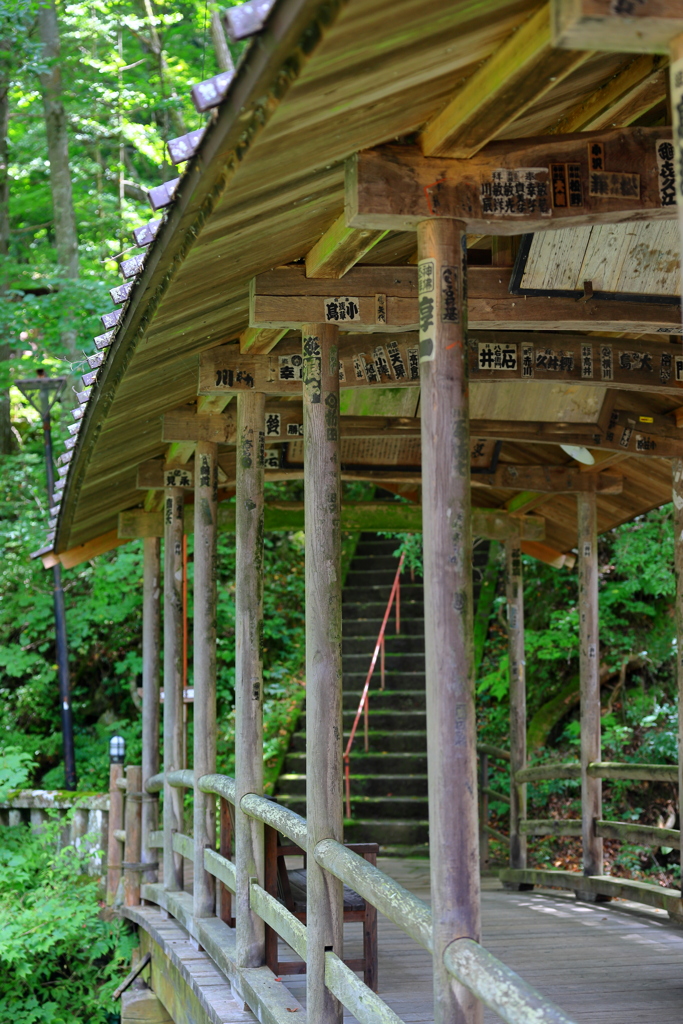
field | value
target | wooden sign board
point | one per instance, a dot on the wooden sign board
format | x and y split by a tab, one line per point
363	362
608	362
514	186
617	26
385	299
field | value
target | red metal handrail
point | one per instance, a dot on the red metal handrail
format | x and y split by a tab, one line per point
363	707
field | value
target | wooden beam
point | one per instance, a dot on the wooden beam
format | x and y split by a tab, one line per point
631	26
492	523
625	435
339	249
260	340
619	363
384	300
553	479
629	94
84	552
546	554
510	187
520	72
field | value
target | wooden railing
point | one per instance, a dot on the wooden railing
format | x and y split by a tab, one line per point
625	832
364	705
469	963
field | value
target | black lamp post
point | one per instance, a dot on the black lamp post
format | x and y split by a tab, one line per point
42	392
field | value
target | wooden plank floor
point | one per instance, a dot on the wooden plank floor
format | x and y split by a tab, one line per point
615	963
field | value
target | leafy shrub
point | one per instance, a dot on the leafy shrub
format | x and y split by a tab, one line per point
59	961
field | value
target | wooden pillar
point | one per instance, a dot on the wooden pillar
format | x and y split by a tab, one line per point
133	845
677	467
676	99
248	669
204	756
589	665
448	597
151	630
173	679
322	499
115	824
515	617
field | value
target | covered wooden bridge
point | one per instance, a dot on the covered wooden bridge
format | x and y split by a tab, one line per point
388	199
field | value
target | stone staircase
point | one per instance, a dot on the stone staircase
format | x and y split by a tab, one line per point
389	782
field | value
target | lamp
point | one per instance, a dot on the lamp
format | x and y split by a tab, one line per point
117	750
579	453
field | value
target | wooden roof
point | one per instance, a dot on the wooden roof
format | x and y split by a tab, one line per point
324	81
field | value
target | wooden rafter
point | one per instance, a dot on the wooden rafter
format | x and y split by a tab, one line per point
516	76
339	249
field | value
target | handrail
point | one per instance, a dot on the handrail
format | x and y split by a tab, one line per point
281	818
497	752
219	785
499	987
155	783
364	701
181	779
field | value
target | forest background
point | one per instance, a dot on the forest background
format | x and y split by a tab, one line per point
89	95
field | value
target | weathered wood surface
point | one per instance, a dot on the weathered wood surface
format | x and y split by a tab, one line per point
322	489
350	990
601	885
151	652
639	835
551	827
396	187
644	26
339	249
173	679
114	851
524	68
221	868
276	914
132	848
514	590
204	662
449	657
589	670
249	851
495	524
542	772
183	845
498	752
289	823
633	772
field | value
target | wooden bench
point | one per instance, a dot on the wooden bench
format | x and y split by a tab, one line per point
289	886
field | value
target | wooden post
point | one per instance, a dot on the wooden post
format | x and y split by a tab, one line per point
151	629
515	617
224	908
173	679
676	99
204	756
591	789
448	597
322	497
677	467
484	856
115	824
248	670
133	845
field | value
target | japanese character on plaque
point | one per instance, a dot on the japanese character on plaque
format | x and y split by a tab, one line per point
494	356
295	429
666	174
290	367
522	192
273	424
380	309
396	360
413	355
426	302
342	309
606	366
527	361
450	314
586	362
381	362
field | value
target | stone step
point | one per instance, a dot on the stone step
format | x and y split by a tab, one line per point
380	592
375	609
382	720
393	644
380	740
402	808
407	662
375	762
389	834
365	785
381	547
367	627
355	681
386	700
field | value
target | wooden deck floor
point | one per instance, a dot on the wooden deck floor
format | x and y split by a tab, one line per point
615	963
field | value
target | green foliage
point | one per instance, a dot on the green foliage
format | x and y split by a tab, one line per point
59	961
15	768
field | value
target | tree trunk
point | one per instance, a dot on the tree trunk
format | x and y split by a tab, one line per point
58	144
220	43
